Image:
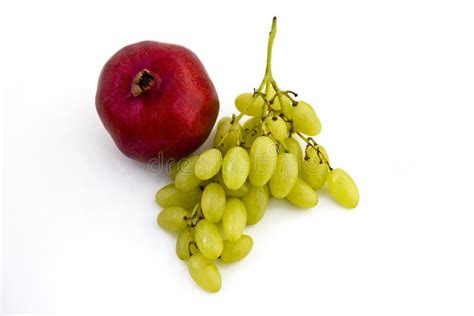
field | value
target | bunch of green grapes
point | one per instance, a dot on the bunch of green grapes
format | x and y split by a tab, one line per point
217	193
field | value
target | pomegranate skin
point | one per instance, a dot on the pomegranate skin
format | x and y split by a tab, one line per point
168	118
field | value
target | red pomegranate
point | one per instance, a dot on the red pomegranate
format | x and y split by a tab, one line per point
156	99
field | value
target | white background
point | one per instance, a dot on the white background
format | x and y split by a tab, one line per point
392	82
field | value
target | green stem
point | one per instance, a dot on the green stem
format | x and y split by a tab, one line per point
268	78
268	70
195	209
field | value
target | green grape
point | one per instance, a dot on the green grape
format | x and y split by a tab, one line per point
343	189
263	156
208	164
249	104
208	239
315	169
170	196
205	273
186	180
183	244
249	138
251	123
252	129
235	219
324	152
235	167
302	195
174	167
311	153
236	250
173	170
284	103
314	172
223	126
224	123
243	102
285	175
294	147
256	202
277	127
305	119
172	218
213	202
270	93
258	103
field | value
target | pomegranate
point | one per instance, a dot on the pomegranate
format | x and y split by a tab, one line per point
156	100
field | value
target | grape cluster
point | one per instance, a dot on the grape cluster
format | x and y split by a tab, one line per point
217	193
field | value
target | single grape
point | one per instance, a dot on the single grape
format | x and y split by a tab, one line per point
258	104
343	189
208	239
285	175
252	129
263	156
294	147
172	218
277	127
208	164
256	202
224	123
249	104
269	94
186	180
235	219
183	244
305	119
205	273
314	170
243	102
223	126
284	103
311	153
213	202
235	167
236	250
302	195
169	195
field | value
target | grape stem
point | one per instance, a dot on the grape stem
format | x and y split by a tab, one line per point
268	69
195	217
266	78
195	209
320	154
